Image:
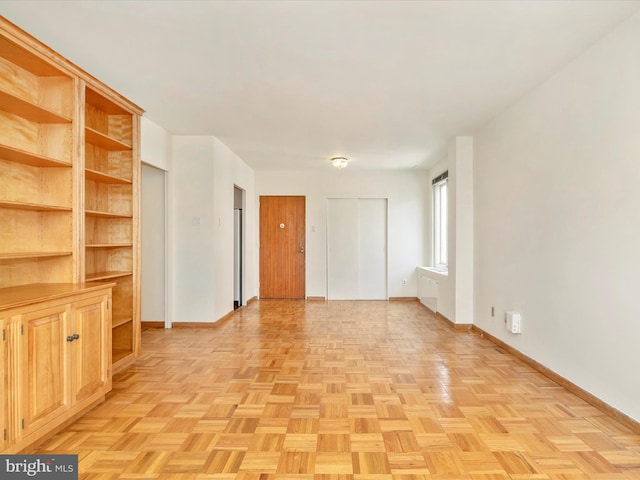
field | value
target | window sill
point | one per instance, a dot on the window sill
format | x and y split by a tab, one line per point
438	271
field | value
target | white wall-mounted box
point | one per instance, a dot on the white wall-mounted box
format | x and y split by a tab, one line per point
513	322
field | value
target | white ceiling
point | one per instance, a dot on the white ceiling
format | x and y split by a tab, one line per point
289	84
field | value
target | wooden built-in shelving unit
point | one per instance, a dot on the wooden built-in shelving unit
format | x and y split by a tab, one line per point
111	176
69	181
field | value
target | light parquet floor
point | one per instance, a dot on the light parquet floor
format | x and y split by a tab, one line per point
340	390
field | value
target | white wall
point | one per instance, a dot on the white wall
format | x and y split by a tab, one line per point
229	171
557	204
204	175
463	246
193	245
155	145
405	191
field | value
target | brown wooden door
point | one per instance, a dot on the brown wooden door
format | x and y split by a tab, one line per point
282	247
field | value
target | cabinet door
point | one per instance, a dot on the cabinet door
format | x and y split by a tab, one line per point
45	366
91	350
4	428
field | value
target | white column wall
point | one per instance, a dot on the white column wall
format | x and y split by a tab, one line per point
193	245
463	260
230	171
203	179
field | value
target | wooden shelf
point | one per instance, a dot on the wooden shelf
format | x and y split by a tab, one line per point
28	158
33	255
33	206
109	245
93	277
101	140
119	354
105	177
118	320
95	213
30	111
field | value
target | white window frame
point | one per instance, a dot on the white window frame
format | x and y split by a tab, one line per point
440	222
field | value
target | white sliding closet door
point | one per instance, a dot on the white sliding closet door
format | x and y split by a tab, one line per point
342	249
357	249
372	249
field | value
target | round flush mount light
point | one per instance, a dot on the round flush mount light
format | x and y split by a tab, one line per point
339	162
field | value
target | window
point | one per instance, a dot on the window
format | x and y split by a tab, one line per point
440	224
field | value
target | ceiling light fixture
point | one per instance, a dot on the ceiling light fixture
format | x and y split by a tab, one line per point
339	162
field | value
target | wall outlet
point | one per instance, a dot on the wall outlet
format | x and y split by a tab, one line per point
513	322
404	283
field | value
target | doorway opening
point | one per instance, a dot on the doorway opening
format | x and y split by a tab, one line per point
153	222
238	246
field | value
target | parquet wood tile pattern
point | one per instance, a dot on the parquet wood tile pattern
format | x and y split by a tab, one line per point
289	390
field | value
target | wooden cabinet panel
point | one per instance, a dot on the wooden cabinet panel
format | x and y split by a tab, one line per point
91	351
4	428
44	372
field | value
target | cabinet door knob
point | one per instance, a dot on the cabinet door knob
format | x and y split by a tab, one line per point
70	338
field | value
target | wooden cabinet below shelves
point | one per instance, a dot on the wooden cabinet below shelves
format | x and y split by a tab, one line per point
91	352
59	363
4	398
